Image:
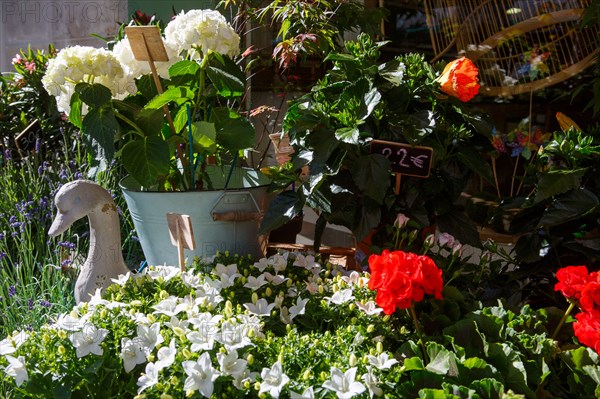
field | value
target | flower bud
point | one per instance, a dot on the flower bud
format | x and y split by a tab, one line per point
289	282
257	386
189	393
174	380
151	318
103	313
250	359
165	396
352	360
336	288
268	291
150	357
280	357
254	298
179	331
140	396
323	376
45	338
306	375
251	333
247	384
321	288
186	353
370	328
61	350
62	334
136	303
379	347
243	280
386	318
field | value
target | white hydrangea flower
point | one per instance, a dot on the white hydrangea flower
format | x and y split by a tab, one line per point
88	340
16	369
134	68
273	380
201	31
200	375
344	384
131	353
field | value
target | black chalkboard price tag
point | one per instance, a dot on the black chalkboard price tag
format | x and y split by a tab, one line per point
405	159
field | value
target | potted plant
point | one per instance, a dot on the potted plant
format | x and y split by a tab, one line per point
176	142
403	100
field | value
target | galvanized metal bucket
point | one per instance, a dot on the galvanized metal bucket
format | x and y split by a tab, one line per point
222	220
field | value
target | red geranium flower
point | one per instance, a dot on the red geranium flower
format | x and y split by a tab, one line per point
402	278
587	330
590	295
459	79
571	280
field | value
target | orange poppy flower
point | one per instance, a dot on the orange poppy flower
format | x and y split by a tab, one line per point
459	79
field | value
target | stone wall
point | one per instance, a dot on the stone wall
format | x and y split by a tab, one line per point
60	22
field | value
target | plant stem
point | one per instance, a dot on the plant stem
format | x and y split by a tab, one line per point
413	315
564	318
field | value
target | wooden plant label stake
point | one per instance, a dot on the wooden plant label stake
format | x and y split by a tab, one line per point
147	45
405	159
181	234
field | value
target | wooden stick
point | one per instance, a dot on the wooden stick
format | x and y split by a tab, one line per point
180	253
398	181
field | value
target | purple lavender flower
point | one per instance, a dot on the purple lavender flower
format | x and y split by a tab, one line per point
44	303
11	291
66	262
7	155
67	244
30	303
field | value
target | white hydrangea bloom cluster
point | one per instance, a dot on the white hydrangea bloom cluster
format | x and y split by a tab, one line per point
134	68
78	64
199	31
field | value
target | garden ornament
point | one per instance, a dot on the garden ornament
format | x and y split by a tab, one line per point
104	261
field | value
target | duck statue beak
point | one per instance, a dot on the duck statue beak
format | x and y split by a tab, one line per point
61	223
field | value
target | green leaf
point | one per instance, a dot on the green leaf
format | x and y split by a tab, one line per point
442	361
204	134
348	135
176	94
94	95
569	206
150	121
488	388
429	393
146	159
75	116
234	132
371	100
227	78
284	207
557	182
182	68
371	173
472	159
102	126
413	363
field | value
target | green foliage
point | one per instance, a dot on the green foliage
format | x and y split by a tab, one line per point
361	99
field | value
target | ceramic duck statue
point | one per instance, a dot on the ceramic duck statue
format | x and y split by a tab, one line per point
104	261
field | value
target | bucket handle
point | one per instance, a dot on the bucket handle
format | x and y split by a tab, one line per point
236	216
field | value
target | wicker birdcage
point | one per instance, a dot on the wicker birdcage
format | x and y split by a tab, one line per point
518	45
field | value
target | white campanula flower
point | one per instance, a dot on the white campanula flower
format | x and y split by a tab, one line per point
273	380
370	308
166	355
200	375
255	283
189	305
206	321
261	308
227	274
381	361
190	280
164	272
204	338
312	287
70	322
344	384
262	264
250	322
122	279
209	293
307	394
201	31
149	337
131	353
298	308
16	369
370	380
284	315
246	376
306	261
88	340
167	306
149	377
176	323
279	262
340	297
10	344
230	364
358	339
275	279
233	336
